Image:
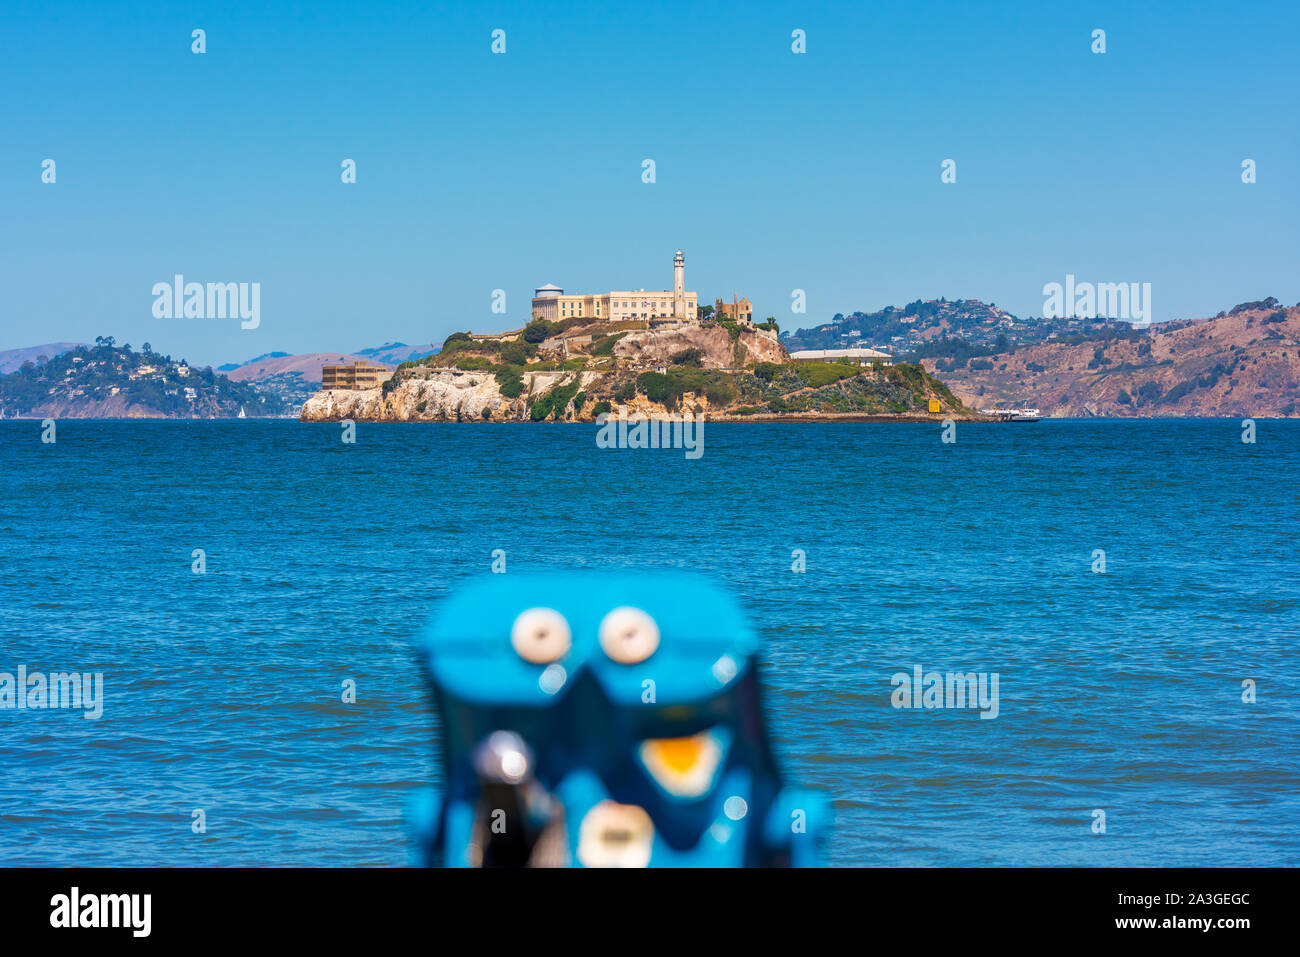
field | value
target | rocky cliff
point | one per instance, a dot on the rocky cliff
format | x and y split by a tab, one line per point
717	348
714	369
437	396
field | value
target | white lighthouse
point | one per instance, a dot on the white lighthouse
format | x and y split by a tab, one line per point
679	286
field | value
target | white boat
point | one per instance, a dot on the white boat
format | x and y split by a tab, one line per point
241	413
1013	415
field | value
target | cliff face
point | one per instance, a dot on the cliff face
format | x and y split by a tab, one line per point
443	396
719	350
808	390
1243	364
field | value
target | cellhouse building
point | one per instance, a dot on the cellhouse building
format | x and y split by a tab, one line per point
671	305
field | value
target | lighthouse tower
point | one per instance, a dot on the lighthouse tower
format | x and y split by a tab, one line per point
679	286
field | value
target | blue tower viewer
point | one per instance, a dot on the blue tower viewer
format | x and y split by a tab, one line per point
604	719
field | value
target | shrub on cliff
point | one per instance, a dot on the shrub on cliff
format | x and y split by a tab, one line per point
601	408
720	390
553	402
517	352
539	330
818	374
656	386
668	388
942	390
604	346
509	381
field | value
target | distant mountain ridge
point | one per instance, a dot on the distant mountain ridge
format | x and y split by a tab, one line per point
306	365
390	353
900	330
395	353
11	360
231	366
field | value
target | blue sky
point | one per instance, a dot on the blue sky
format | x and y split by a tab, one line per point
775	171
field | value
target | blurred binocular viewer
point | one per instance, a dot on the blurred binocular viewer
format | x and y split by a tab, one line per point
604	720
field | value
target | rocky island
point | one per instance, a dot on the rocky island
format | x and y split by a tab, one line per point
574	370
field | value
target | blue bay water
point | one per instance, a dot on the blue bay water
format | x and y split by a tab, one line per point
1119	691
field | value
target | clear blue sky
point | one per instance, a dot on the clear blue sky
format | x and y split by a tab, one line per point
775	171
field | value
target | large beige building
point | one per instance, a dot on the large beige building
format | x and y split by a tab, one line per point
359	375
676	304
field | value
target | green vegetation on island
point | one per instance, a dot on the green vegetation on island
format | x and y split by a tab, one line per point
578	369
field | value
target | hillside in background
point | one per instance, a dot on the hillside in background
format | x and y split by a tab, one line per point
232	366
395	353
11	360
293	378
900	330
1245	362
111	381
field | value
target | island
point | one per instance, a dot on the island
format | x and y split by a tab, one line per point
635	352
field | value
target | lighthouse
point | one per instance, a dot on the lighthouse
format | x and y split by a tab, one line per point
679	286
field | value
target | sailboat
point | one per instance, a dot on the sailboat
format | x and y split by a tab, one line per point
241	413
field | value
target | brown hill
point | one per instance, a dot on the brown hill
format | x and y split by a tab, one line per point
1243	364
306	365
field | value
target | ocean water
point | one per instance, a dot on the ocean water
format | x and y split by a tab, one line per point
1119	691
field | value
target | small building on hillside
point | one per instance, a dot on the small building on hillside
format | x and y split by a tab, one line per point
738	310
